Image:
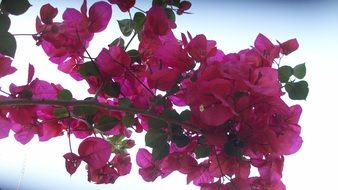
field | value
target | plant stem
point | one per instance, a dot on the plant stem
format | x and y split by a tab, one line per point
91	103
131	39
133	75
140	10
5	92
24	34
222	173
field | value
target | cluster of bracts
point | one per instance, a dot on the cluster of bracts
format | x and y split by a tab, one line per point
234	117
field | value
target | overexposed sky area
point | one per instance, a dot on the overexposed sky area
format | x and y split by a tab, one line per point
234	25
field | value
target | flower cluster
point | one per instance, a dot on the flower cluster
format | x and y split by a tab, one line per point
65	42
235	118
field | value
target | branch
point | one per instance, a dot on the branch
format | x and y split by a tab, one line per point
93	103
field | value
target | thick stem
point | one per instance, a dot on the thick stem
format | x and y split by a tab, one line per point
91	103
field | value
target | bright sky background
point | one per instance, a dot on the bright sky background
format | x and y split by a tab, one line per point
234	25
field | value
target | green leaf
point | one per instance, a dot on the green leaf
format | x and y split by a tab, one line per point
299	71
231	149
201	140
5	23
202	151
7	44
26	93
181	140
61	112
116	139
170	14
125	103
117	41
138	20
128	120
176	129
155	137
15	7
155	123
134	56
88	69
178	137
171	114
106	123
161	151
284	73
126	26
84	110
185	115
297	90
176	3
159	100
112	89
65	95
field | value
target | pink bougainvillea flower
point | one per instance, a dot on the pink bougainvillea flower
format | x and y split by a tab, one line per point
138	93
200	174
24	133
5	124
43	90
170	163
229	165
270	168
65	42
212	186
104	175
236	118
287	130
204	98
95	152
50	129
5	66
265	81
149	168
112	62
122	163
183	6
99	16
72	162
48	13
200	48
124	5
163	79
173	55
289	46
263	184
31	120
266	50
38	89
157	22
80	129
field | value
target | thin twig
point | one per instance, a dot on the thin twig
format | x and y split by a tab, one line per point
5	92
133	75
140	10
131	39
24	34
223	175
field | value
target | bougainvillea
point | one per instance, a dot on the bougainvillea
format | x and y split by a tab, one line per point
233	119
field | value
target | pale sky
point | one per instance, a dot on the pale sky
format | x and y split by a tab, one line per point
234	25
